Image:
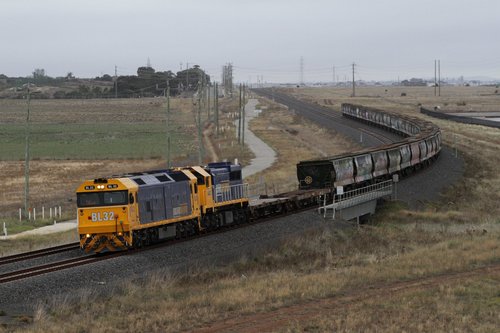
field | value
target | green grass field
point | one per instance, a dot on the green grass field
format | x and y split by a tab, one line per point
91	141
95	129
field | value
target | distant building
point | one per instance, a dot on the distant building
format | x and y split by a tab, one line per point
414	82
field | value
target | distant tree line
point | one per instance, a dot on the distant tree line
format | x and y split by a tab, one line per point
147	83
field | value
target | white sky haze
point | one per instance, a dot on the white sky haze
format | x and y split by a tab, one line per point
387	39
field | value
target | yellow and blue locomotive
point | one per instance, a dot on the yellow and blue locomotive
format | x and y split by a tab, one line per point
137	209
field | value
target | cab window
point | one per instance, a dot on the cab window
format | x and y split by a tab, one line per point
96	199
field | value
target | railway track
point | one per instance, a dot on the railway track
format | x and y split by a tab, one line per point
55	266
38	253
85	260
366	135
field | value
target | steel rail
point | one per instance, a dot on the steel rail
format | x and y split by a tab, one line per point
38	253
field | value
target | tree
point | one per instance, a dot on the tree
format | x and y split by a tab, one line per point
145	71
39	73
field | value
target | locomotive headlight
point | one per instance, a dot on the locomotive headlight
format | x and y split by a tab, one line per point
88	235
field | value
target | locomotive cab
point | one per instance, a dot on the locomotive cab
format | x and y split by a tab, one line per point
105	209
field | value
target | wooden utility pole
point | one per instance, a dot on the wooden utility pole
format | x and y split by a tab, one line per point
27	159
239	118
435	77
243	118
216	110
353	82
200	141
439	77
187	75
208	101
168	125
116	82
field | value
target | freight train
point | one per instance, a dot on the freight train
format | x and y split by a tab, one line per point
137	209
420	146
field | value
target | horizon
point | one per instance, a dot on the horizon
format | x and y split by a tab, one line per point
264	40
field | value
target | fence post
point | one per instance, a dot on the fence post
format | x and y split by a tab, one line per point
50	212
20	215
43	212
60	215
4	229
29	214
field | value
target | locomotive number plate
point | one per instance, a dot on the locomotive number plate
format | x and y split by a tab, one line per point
105	216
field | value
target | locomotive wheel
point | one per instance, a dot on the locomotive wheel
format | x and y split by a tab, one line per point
153	236
196	227
205	222
178	231
137	241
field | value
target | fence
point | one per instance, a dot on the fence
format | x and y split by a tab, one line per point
358	196
54	212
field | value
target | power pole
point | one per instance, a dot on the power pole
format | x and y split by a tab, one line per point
301	71
200	141
439	78
168	125
243	120
239	119
116	82
333	77
435	77
216	110
208	101
27	160
187	75
353	82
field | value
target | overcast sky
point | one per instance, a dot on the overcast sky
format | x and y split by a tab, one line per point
387	39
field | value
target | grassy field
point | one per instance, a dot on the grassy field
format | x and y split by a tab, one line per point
410	271
95	129
73	140
318	266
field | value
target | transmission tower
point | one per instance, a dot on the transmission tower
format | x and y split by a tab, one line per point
227	78
301	71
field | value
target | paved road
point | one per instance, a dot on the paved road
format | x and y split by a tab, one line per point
423	186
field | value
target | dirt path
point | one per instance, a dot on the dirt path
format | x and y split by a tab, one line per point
264	155
209	146
305	312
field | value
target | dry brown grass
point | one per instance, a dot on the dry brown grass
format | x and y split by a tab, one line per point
317	265
31	243
226	144
467	306
294	139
